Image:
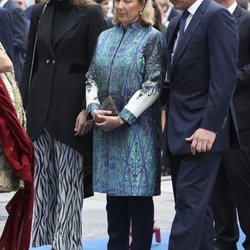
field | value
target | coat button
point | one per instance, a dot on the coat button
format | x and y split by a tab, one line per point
47	61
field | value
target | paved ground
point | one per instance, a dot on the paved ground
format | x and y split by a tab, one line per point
94	214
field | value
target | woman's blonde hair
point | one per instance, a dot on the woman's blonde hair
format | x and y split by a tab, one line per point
147	15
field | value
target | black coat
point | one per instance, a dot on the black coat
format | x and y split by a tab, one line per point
242	92
57	89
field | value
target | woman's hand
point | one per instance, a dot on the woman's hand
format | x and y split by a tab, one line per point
105	121
5	63
82	126
96	115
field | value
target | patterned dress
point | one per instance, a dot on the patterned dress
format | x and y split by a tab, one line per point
129	66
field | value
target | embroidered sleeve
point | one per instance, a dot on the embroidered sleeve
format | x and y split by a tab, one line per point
92	101
127	116
153	78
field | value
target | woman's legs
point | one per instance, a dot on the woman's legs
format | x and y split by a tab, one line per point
122	210
118	223
68	227
58	195
142	217
45	192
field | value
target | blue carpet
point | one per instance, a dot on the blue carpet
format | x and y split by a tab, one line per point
102	243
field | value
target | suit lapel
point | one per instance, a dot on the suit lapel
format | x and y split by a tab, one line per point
193	25
172	37
70	21
7	5
173	34
46	26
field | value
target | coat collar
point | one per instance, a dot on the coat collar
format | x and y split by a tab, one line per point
193	25
46	26
70	21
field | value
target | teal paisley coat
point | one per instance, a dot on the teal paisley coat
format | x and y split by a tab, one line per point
129	66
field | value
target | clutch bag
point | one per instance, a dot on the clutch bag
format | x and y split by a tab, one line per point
109	104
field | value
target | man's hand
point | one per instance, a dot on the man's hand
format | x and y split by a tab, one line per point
82	126
201	141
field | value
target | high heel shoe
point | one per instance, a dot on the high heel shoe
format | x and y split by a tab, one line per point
157	232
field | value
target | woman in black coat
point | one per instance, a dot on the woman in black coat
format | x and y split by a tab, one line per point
53	92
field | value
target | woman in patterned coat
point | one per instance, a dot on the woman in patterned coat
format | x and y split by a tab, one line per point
128	65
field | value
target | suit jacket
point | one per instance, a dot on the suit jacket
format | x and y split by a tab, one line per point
108	21
57	89
6	32
242	92
173	13
28	11
202	77
20	33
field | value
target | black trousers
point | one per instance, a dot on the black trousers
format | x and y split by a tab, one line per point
193	178
121	211
231	196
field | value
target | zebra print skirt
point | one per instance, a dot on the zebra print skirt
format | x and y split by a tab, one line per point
58	195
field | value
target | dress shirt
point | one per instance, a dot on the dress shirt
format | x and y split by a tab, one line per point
192	9
3	2
232	8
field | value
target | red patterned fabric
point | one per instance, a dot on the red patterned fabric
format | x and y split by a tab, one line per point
18	149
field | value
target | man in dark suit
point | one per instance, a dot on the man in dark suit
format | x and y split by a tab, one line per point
202	75
232	189
6	34
20	32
